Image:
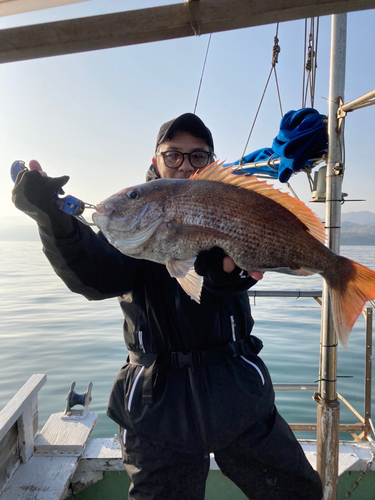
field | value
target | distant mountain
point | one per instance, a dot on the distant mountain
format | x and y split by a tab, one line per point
357	228
357	234
366	218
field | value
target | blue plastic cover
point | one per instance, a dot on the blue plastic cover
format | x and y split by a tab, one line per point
302	137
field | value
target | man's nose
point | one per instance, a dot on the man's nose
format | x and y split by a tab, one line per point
186	166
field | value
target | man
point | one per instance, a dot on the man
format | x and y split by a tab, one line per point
193	382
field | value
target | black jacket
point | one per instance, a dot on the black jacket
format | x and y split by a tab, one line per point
195	407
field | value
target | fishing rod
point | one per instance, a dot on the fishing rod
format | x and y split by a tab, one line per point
68	204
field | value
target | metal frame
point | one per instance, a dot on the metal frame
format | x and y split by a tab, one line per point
360	431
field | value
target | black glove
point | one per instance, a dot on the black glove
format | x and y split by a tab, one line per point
209	264
35	195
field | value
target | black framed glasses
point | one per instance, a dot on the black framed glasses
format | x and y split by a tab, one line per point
197	159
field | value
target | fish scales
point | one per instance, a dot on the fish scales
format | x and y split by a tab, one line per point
245	226
170	221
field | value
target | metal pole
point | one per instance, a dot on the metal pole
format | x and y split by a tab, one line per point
351	105
328	415
368	370
285	293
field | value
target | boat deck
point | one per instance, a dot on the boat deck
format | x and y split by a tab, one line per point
61	461
103	456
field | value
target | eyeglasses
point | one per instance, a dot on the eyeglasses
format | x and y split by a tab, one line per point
197	159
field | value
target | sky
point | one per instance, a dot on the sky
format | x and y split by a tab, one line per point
94	116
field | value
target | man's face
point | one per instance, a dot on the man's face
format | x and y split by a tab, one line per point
185	143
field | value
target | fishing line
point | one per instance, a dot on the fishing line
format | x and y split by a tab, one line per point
342	144
315	61
274	60
304	66
203	69
256	116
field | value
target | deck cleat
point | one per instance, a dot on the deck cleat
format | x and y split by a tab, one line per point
74	399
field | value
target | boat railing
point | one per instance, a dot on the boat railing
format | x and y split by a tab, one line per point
361	430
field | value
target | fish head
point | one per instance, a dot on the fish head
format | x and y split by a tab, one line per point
129	218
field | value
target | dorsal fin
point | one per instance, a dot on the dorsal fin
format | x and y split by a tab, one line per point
215	172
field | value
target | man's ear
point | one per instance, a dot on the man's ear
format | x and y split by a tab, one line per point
154	164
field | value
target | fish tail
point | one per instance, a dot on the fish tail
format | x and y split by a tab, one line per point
347	301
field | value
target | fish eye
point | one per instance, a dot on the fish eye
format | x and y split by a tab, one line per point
133	194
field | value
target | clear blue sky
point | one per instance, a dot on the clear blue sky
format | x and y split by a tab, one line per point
95	115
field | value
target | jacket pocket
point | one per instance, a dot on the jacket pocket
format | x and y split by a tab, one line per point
133	388
256	368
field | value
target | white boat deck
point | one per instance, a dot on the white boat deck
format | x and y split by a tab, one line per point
105	455
41	465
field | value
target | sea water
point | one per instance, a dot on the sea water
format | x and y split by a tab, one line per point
45	328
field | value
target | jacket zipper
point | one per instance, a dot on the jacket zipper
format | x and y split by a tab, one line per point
243	357
140	343
256	367
133	388
140	340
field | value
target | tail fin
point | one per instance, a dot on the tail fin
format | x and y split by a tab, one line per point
348	303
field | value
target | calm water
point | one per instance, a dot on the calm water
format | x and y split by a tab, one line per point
45	328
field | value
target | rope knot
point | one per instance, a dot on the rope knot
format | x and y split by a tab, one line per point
275	52
310	55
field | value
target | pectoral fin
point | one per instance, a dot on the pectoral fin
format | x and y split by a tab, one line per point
188	279
192	284
179	268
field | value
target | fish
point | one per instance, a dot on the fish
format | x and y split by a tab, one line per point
261	228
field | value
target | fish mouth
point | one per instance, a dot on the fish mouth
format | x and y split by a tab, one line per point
101	215
106	214
104	209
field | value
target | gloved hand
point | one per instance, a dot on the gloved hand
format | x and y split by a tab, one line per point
35	195
209	264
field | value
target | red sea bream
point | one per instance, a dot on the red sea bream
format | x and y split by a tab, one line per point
261	228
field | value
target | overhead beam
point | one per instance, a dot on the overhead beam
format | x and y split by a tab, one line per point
159	23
